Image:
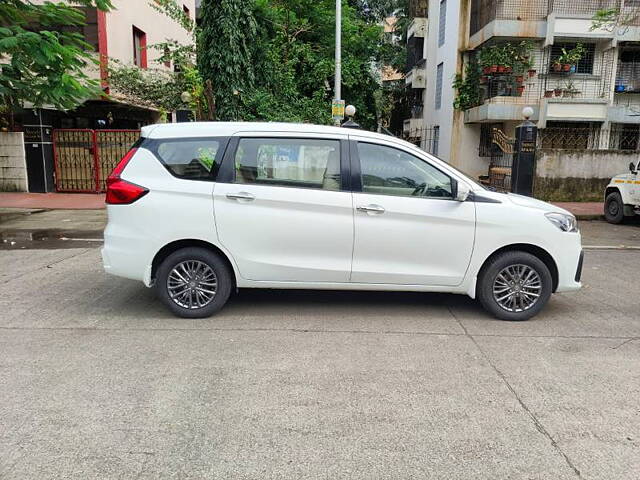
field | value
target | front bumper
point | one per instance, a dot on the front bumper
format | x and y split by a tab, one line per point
579	269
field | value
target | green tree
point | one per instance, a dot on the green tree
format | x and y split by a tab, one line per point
281	68
226	53
46	64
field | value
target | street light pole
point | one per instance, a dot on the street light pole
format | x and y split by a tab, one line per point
338	71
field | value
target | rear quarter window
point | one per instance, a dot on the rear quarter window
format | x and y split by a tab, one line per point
190	158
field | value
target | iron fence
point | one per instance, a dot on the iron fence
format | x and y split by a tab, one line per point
427	138
84	158
618	136
569	138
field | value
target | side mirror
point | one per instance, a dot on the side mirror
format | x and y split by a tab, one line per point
462	191
632	167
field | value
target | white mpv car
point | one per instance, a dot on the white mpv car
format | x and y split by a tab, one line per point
197	210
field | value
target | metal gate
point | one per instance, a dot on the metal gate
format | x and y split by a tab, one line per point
84	158
501	160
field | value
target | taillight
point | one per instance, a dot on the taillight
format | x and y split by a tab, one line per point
119	191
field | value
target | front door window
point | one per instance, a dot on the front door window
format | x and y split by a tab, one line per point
389	171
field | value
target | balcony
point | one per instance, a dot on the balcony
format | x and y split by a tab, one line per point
413	128
583	91
418	28
538	18
625	108
417	76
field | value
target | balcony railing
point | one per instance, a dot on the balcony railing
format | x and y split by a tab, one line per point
590	137
485	11
521	88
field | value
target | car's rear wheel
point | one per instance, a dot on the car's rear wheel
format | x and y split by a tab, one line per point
194	282
614	208
514	286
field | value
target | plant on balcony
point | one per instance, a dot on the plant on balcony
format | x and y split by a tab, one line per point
569	59
611	19
570	90
487	60
506	58
467	87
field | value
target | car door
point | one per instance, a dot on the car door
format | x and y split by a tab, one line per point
408	228
280	208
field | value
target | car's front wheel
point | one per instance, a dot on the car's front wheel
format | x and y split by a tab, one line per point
514	286
614	208
194	282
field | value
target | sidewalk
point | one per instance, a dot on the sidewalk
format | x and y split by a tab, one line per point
584	210
52	201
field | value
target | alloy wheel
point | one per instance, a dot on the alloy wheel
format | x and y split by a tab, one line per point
517	288
192	284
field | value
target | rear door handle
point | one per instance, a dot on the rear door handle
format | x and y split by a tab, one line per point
370	208
241	196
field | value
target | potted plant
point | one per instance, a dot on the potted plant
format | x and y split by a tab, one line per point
569	58
570	90
557	66
484	60
557	91
548	93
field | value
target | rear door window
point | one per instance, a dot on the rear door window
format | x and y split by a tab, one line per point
192	159
289	162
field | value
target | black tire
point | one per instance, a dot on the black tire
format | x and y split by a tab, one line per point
222	274
496	266
614	208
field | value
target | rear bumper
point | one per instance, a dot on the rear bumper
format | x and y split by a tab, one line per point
126	256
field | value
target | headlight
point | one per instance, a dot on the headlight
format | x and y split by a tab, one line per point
566	223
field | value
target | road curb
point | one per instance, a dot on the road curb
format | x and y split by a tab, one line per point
589	217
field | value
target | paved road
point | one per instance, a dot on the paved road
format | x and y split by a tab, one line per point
98	381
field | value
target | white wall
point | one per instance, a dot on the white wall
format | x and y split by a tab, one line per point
13	166
157	26
448	55
584	164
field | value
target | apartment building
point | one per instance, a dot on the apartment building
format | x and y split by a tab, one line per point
76	150
582	83
125	34
416	72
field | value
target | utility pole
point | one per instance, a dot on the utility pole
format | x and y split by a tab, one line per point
337	116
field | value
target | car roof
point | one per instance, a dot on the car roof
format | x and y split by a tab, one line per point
205	129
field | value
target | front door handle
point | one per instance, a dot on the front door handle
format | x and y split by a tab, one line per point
241	196
370	209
